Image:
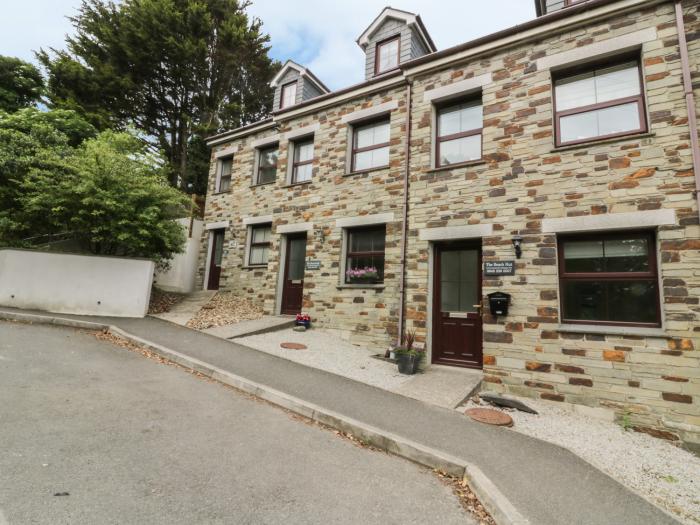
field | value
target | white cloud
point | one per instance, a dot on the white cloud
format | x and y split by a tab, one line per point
321	34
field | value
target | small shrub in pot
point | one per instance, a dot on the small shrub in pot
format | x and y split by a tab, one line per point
408	357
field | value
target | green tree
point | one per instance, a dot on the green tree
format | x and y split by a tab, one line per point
69	123
21	84
27	145
176	70
111	197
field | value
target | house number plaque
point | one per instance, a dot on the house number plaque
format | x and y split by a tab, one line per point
492	268
313	264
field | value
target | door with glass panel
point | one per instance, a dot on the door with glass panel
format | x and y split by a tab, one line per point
457	324
215	260
293	286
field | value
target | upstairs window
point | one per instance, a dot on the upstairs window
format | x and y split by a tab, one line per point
459	128
387	55
370	145
302	165
226	169
288	96
609	279
267	165
259	244
365	255
599	103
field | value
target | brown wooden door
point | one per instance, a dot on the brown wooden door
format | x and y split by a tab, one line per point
457	324
293	285
217	252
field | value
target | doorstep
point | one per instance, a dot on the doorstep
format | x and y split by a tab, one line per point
444	386
268	323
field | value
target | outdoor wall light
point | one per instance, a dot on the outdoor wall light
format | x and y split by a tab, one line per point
517	243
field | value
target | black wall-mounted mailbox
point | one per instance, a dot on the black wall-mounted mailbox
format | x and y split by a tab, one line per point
498	303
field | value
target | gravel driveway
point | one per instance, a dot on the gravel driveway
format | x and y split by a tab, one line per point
94	433
326	351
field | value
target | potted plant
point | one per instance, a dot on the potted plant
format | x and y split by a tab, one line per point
408	357
303	320
363	275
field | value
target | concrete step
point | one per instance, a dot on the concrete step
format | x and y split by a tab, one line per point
269	323
443	386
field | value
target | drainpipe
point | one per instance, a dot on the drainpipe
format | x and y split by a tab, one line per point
404	223
689	99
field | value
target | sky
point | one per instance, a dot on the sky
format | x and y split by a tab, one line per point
319	34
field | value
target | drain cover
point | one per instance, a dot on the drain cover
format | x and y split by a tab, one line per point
490	417
293	346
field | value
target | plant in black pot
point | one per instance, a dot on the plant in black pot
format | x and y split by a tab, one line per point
408	357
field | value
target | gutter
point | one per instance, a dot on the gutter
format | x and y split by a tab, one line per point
239	132
404	223
689	99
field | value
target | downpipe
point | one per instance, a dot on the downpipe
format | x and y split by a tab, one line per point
404	222
689	99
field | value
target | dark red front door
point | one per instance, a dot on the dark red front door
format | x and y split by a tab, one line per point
217	252
457	321
293	286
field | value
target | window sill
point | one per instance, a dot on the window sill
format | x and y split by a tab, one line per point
263	184
220	193
295	184
378	168
595	142
457	166
639	331
361	286
255	267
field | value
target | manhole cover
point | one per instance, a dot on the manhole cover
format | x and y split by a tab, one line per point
490	417
293	346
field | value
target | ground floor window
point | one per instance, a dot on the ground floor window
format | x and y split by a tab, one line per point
259	244
365	255
609	279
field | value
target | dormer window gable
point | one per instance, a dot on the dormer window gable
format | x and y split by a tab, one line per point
545	7
393	37
295	84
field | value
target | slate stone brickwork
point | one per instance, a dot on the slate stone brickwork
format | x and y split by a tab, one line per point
523	179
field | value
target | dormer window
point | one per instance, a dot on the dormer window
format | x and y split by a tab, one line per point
387	55
289	95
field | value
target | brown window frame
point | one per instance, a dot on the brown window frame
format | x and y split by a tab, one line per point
651	275
592	67
446	138
221	174
259	244
376	54
569	3
259	153
355	150
295	164
349	254
282	89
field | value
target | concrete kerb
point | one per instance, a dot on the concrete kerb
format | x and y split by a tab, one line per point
500	508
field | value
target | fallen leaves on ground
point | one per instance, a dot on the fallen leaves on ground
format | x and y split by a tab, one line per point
225	308
162	301
467	498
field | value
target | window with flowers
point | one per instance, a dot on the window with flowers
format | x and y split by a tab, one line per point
364	263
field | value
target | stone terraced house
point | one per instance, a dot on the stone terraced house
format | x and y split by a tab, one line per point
526	202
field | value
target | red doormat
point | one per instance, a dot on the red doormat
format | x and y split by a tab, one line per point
490	417
293	346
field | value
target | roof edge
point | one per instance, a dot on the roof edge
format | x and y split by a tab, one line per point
213	140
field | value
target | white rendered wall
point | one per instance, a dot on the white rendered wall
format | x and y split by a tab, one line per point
181	275
75	284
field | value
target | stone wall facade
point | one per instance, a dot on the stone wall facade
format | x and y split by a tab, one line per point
523	181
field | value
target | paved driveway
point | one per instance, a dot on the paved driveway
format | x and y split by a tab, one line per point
134	441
